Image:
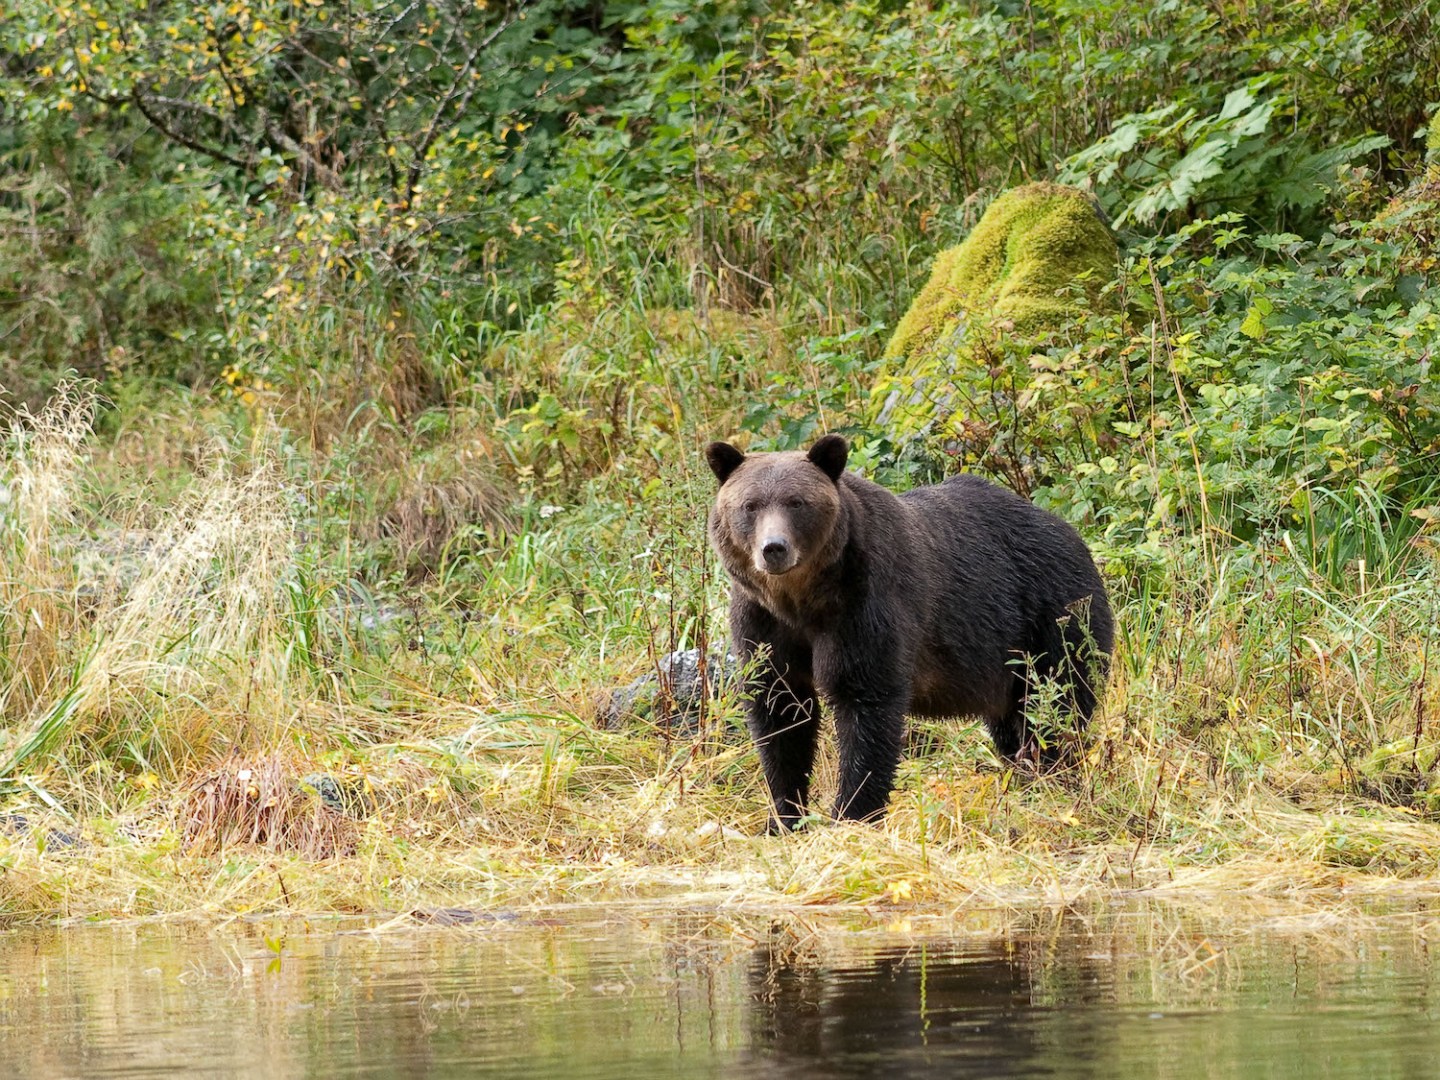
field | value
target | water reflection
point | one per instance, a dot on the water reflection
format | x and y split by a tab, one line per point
1142	994
1077	1000
847	1019
971	1009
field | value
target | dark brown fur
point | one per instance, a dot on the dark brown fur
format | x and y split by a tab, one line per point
950	600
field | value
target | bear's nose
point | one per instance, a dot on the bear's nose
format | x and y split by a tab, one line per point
776	552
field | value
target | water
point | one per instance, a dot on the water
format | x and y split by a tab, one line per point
1134	994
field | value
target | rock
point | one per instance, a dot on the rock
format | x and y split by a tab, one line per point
671	697
456	916
1017	273
1033	243
347	797
55	839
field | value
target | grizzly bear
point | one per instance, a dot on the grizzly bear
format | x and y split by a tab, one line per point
945	601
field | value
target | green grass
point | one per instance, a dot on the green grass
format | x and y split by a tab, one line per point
1269	727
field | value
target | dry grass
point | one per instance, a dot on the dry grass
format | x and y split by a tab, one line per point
37	500
171	715
186	646
432	507
477	820
260	803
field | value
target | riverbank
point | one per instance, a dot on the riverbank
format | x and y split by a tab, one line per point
220	704
536	814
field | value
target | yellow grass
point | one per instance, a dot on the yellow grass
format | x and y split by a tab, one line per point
164	726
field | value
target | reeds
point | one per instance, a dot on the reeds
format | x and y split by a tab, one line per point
183	642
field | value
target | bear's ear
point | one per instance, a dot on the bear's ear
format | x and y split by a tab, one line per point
830	454
724	459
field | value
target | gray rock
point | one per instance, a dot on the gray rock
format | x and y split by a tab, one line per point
20	825
347	797
454	916
672	697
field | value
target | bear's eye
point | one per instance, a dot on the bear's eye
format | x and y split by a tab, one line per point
795	503
751	506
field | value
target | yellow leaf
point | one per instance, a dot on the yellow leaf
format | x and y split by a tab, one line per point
899	890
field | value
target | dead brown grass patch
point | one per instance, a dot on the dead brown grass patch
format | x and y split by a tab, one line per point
262	802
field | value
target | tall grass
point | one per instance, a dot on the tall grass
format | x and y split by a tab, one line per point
181	644
37	502
273	688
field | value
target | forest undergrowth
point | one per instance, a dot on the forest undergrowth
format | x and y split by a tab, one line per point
355	370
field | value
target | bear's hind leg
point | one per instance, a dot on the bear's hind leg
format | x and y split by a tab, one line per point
1085	638
1008	732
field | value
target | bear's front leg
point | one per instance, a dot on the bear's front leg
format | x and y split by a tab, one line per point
783	714
871	734
870	697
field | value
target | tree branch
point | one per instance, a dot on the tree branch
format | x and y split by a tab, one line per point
417	162
141	102
328	177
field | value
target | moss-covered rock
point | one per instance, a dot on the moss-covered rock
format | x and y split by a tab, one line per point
1017	266
1036	263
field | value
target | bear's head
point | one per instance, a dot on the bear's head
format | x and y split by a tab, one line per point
777	512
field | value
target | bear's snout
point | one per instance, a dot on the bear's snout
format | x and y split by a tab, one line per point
777	554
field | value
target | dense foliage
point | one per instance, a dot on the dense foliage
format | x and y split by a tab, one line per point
592	228
447	294
176	174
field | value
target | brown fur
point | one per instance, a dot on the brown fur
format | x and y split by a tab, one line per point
949	600
773	480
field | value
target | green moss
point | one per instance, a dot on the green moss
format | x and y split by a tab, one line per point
1432	140
1016	267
